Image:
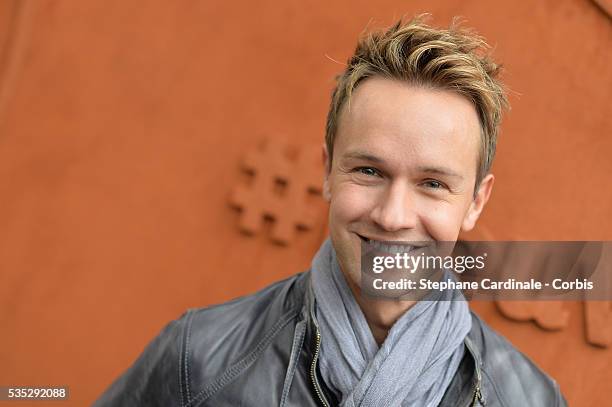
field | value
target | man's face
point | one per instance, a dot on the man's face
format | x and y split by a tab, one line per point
403	169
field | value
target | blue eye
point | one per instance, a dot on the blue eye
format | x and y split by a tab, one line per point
369	171
432	183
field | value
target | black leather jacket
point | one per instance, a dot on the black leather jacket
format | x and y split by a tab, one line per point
262	350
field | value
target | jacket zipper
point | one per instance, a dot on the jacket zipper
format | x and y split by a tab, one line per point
313	371
477	396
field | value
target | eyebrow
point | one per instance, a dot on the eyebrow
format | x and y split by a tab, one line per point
440	171
361	155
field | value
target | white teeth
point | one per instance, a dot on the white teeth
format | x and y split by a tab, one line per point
390	248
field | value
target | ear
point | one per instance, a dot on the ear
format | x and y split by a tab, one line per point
478	204
327	166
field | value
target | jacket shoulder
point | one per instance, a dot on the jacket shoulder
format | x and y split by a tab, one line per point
224	340
152	380
251	312
202	349
508	375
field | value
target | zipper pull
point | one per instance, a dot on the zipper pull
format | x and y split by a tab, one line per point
477	398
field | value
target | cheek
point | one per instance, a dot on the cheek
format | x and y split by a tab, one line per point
442	220
350	203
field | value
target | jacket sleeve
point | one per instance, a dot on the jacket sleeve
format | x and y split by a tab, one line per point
154	378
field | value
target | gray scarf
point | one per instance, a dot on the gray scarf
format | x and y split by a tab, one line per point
415	363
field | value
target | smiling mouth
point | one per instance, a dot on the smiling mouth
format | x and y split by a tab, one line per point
392	247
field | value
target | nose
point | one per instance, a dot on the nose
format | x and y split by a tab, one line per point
395	209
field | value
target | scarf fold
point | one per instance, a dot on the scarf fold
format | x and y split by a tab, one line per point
416	362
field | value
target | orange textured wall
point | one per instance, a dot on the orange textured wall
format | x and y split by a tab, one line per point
122	130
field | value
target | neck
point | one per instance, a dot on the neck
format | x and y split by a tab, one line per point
380	314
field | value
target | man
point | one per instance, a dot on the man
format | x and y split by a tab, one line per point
411	136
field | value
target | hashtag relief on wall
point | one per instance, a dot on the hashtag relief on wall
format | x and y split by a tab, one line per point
283	188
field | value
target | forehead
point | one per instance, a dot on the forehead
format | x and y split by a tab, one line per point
412	124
